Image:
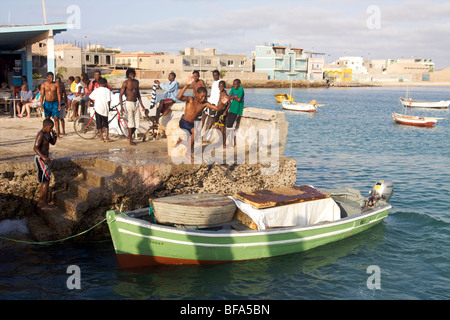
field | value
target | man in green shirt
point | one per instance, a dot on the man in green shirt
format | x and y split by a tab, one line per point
236	97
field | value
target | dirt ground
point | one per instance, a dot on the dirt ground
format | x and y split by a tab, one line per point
17	136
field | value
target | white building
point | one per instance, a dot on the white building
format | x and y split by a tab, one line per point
354	63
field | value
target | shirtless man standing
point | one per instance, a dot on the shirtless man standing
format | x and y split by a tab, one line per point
194	105
52	104
44	138
130	88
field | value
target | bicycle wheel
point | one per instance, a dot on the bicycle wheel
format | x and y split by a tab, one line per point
123	125
85	127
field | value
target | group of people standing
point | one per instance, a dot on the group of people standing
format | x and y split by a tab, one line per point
55	102
219	107
214	109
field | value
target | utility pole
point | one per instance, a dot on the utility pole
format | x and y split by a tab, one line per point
43	8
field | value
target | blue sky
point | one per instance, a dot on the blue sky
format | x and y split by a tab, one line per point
371	29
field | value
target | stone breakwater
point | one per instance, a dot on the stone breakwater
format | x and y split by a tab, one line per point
147	84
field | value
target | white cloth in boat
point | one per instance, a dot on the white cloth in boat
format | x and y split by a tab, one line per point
297	214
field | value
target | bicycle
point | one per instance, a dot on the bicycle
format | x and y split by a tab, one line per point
86	127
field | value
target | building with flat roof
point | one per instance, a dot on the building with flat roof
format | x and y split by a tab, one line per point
16	50
136	60
67	59
281	62
354	63
207	60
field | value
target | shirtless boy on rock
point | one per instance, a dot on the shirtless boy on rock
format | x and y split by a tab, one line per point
194	105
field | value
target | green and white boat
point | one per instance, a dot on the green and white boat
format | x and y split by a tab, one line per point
261	228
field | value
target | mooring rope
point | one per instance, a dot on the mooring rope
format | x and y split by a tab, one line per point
53	241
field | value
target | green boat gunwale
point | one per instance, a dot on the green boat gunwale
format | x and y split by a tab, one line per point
248	233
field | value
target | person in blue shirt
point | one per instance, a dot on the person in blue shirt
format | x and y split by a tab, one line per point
170	89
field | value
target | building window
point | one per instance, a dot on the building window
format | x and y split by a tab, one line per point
208	62
108	59
96	60
230	63
194	62
157	61
279	52
172	61
88	57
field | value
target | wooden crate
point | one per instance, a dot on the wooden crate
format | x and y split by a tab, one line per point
261	199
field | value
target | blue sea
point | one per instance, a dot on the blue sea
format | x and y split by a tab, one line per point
351	141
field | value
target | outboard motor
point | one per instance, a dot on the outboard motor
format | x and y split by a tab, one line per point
382	190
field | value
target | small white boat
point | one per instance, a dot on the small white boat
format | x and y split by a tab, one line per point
414	120
297	106
443	104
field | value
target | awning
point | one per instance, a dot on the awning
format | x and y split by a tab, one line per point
16	37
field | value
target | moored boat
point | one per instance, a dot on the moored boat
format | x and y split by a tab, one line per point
297	106
283	96
270	223
443	104
414	120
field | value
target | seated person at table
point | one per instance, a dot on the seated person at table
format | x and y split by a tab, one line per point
26	96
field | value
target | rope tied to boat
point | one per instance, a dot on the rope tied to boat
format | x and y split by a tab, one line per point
151	211
53	241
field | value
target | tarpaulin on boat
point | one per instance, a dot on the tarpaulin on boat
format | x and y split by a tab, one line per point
297	214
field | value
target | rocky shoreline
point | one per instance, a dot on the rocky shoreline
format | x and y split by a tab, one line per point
19	190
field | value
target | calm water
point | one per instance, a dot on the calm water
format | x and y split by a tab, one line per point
350	141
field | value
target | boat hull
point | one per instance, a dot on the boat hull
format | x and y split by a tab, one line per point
425	104
140	243
414	121
302	107
280	97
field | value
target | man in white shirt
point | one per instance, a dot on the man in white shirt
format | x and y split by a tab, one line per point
102	102
209	114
